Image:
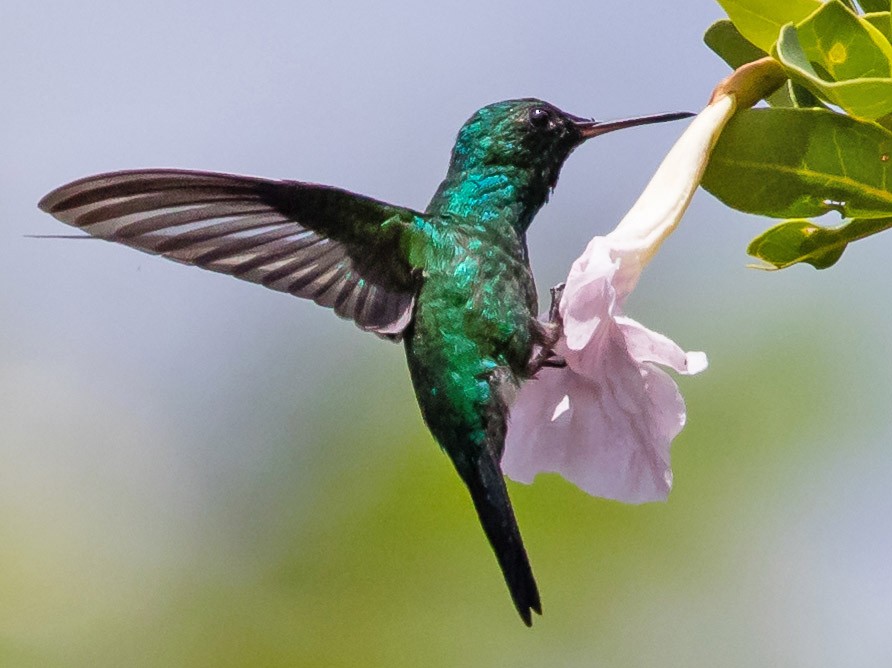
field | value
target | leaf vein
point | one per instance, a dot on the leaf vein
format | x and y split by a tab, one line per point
824	178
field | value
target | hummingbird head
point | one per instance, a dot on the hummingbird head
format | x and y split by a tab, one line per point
531	139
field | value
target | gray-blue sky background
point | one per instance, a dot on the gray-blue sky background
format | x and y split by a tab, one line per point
170	437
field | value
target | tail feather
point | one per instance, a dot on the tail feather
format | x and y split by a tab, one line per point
487	486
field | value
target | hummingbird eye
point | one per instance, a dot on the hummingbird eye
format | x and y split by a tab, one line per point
539	117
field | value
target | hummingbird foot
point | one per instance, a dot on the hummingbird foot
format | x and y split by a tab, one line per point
544	357
554	362
546	335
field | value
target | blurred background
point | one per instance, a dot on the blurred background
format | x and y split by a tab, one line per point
200	472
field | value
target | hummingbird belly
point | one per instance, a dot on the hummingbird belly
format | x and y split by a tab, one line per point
468	348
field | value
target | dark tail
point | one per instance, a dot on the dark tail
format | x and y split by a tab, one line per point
487	486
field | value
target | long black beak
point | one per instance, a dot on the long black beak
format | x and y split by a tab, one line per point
591	128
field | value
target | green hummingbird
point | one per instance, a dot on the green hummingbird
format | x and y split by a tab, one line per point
453	282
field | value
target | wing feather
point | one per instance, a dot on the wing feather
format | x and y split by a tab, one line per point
337	248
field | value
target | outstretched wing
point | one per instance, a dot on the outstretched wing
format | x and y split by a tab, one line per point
337	248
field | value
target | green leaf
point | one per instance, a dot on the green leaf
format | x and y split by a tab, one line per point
760	21
725	39
882	22
732	47
797	241
874	5
842	57
799	163
846	44
802	96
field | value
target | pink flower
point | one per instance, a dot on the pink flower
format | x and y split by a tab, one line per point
606	421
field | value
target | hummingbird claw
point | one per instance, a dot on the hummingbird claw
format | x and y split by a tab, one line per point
554	314
554	362
545	357
546	335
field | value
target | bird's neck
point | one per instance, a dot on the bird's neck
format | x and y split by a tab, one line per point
486	196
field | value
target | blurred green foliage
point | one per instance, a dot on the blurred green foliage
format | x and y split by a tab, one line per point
379	560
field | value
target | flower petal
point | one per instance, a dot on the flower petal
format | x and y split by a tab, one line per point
589	298
660	207
608	432
646	345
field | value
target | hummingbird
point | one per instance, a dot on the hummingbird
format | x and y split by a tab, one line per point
452	282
